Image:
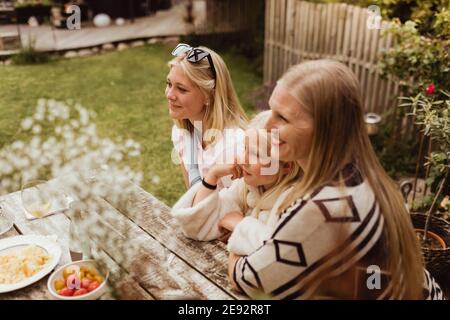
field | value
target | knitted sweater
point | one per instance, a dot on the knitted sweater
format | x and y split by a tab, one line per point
315	246
200	222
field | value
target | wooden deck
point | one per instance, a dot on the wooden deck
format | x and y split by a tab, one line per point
169	266
163	24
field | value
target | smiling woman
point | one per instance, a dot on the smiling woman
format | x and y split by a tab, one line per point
344	215
200	91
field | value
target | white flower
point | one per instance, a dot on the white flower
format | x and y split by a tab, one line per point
35	142
156	179
134	153
36	129
18	145
27	123
84	116
74	123
129	143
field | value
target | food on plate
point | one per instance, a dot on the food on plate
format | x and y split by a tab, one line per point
22	263
78	281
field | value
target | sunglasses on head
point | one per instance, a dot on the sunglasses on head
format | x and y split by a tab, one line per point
194	55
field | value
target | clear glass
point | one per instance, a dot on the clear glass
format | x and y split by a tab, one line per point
79	245
36	198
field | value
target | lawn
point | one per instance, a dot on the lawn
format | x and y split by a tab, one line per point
126	90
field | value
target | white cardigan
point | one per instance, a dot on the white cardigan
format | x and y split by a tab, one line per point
201	222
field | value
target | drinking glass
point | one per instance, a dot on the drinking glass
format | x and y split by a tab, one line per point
36	198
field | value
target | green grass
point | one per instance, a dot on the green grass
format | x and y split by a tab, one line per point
126	90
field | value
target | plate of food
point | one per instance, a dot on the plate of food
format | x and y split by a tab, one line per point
25	260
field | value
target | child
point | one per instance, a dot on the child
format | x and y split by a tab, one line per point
248	207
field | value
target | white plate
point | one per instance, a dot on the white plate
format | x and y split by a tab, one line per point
51	247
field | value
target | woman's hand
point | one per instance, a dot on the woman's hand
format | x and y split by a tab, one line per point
230	220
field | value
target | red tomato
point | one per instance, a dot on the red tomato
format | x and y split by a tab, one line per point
94	285
80	292
66	292
85	283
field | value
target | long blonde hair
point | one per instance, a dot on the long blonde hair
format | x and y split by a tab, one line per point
330	92
223	109
284	181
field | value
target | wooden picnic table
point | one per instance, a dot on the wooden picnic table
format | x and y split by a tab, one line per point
170	266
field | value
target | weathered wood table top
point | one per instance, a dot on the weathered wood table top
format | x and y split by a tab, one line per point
170	266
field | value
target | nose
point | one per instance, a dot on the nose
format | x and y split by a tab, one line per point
170	95
270	124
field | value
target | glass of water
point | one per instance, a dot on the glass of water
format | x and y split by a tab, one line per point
36	198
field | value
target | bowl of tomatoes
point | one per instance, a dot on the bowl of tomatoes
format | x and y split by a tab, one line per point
79	280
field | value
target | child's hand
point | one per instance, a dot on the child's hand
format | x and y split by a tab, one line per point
230	220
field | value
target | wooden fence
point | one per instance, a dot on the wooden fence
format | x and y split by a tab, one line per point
298	30
230	15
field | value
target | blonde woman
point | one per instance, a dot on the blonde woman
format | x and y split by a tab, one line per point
248	208
345	220
209	119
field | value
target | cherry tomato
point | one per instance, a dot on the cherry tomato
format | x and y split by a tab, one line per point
85	283
94	285
80	292
66	292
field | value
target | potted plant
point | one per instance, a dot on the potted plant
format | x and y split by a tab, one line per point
420	63
433	230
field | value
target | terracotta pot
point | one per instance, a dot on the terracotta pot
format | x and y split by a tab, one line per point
436	259
432	235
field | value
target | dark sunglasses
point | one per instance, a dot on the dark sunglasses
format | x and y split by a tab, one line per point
194	55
